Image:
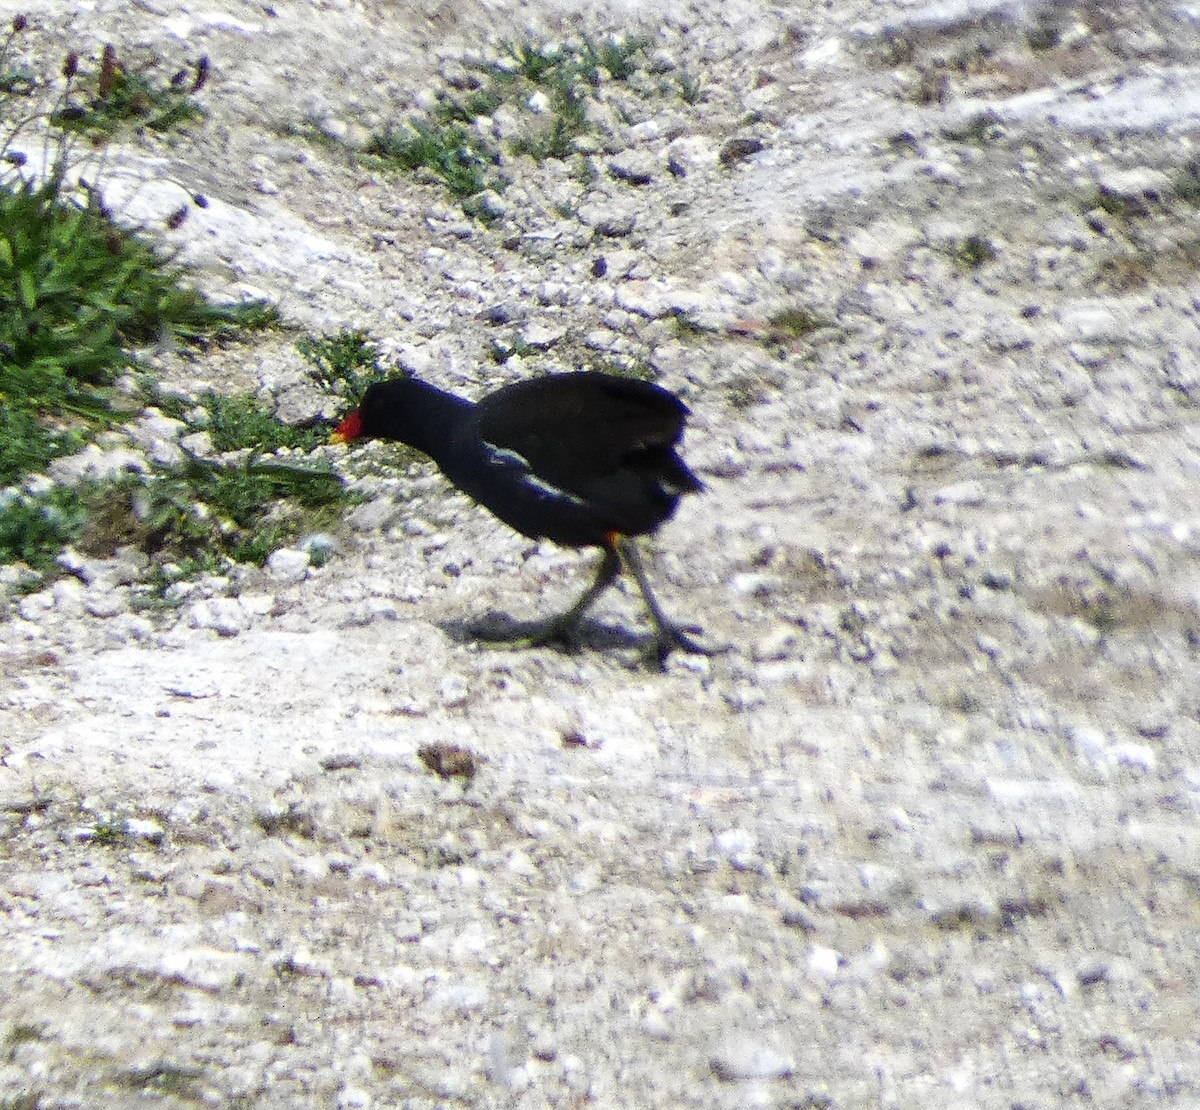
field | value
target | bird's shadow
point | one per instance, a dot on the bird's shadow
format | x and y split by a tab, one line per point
500	630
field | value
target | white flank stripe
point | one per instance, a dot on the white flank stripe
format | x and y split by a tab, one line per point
511	460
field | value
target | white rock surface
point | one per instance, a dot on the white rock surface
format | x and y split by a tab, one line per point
925	836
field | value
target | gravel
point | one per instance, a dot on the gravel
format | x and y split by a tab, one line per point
925	836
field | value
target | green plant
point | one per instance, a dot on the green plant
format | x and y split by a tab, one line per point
109	831
163	1079
1045	32
793	323
28	443
1113	204
564	73
123	96
982	129
77	291
636	368
237	422
503	349
344	362
22	1100
615	55
555	141
1187	183
205	514
15	80
448	151
478	102
35	527
25	1032
691	91
973	251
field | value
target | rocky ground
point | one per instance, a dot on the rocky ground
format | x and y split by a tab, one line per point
925	837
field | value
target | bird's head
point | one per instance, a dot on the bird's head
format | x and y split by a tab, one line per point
351	428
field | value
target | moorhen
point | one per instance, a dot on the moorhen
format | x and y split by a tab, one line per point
584	459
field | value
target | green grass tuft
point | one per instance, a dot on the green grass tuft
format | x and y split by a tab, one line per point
34	528
28	443
344	362
237	422
973	251
449	151
78	293
567	74
123	97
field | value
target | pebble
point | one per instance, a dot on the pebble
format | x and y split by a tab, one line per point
453	691
125	568
824	961
288	564
97	464
464	996
107	602
541	336
745	1059
609	219
636	167
778	644
224	615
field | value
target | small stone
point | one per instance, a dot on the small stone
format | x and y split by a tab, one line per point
453	691
745	1059
463	997
224	615
611	220
541	337
96	464
68	597
690	154
148	830
824	961
756	584
738	150
105	602
449	761
197	443
633	166
373	516
661	61
33	607
288	564
1140	757
794	915
779	643
1135	187
644	298
734	842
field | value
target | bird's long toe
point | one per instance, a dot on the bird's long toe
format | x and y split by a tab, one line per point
671	638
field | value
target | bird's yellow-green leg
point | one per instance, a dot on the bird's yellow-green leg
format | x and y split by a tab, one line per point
668	637
563	628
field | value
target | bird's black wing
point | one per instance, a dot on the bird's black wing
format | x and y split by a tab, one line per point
575	428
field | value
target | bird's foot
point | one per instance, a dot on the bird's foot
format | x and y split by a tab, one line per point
671	637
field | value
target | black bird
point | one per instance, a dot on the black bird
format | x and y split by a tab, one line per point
584	459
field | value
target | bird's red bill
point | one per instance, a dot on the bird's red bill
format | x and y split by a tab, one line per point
348	429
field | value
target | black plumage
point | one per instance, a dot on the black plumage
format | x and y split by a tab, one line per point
585	460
